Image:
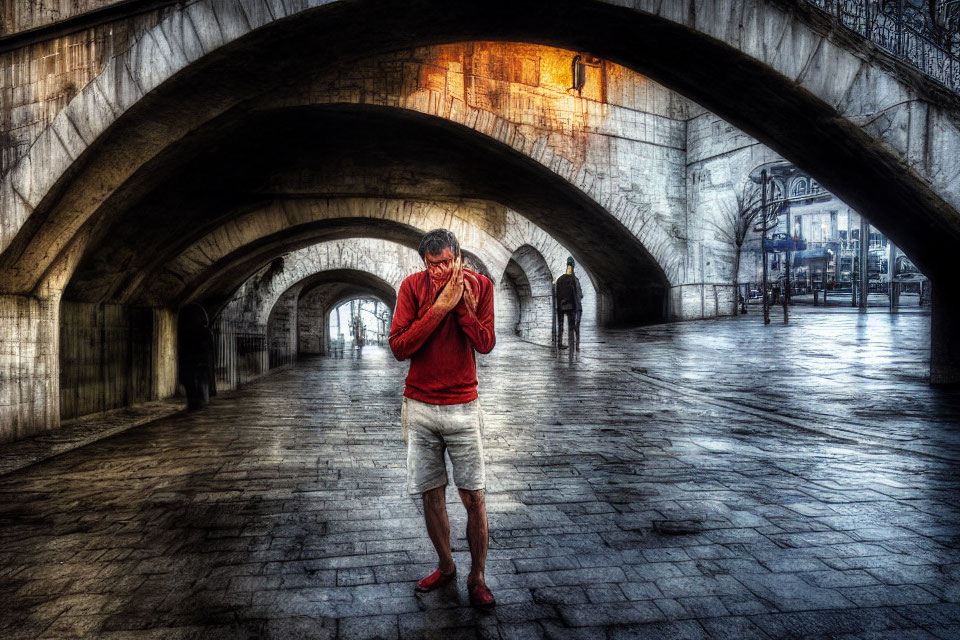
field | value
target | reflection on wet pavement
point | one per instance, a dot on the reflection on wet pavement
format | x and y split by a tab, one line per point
703	479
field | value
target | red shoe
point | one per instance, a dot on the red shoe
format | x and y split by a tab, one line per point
480	596
435	580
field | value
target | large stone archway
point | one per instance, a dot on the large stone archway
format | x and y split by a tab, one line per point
265	306
315	332
299	321
839	113
526	291
813	82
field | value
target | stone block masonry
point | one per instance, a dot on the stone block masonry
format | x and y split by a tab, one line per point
29	366
621	505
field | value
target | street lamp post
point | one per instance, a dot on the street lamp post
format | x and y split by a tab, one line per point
763	241
864	258
788	263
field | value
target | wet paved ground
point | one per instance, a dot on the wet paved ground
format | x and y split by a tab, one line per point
711	479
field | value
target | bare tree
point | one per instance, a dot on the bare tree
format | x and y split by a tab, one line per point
740	213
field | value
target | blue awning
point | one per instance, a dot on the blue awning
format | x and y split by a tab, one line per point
808	255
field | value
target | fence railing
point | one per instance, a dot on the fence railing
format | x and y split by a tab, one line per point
888	24
241	354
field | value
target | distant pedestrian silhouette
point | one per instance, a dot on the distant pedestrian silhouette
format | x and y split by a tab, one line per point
569	306
196	356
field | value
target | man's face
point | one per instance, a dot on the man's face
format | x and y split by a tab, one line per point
439	266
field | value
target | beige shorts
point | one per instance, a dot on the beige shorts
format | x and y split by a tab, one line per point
432	429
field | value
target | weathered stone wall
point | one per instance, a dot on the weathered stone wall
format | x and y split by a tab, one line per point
21	15
38	80
106	358
531	276
29	366
113	356
507	310
164	353
282	329
241	338
242	353
851	81
312	323
720	158
622	141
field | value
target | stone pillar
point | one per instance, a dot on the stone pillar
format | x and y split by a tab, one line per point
324	332
945	335
164	358
29	366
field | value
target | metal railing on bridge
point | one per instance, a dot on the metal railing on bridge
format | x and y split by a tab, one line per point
925	35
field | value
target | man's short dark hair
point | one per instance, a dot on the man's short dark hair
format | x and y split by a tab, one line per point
434	242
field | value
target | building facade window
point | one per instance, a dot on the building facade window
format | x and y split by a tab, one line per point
800	188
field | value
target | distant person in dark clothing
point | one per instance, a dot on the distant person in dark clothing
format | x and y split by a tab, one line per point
569	296
195	356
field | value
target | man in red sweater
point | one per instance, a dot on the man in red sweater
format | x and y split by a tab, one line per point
444	314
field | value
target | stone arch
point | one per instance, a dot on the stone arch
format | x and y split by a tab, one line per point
265	305
527	295
370	266
642	293
386	261
212	267
289	321
315	307
815	80
871	131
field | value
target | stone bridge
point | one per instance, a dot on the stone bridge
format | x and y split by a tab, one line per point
223	133
290	306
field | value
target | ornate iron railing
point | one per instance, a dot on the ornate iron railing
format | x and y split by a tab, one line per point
922	33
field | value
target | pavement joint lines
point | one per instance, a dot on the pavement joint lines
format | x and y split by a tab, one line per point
821	428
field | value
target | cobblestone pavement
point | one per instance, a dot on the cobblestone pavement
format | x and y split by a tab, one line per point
709	479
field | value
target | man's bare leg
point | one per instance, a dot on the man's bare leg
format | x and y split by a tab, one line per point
476	534
438	526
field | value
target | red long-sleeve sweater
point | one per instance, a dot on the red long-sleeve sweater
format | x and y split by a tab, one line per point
443	368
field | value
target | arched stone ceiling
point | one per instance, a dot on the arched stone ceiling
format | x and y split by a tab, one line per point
535	269
332	295
354	152
359	261
800	105
224	277
348	284
213	266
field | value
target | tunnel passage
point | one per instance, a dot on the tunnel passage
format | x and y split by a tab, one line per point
315	329
750	92
299	320
257	327
803	116
525	295
131	266
365	153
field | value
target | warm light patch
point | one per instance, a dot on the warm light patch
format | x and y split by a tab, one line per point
544	90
